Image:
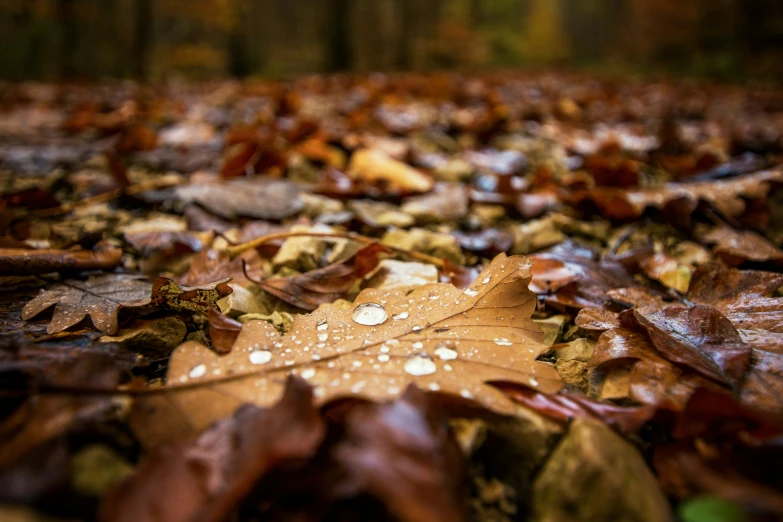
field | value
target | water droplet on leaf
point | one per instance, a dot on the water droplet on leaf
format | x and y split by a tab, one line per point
420	364
260	357
369	314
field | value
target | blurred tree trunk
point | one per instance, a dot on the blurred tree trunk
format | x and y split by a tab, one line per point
477	13
66	18
238	53
339	52
142	38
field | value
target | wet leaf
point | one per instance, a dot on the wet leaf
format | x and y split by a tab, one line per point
737	246
437	337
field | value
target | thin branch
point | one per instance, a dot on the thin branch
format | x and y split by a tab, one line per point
236	250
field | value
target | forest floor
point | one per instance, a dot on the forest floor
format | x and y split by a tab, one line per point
415	297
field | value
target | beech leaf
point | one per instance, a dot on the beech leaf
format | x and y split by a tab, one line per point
437	337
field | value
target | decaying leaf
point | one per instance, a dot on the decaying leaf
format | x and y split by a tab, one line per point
438	337
102	296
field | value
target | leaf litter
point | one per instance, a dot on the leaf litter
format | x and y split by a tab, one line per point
305	362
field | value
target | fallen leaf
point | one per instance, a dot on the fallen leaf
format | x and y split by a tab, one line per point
653	380
727	196
737	246
255	198
745	297
375	166
211	265
701	338
574	276
324	285
567	406
667	270
210	474
223	331
404	454
448	202
18	261
102	296
436	336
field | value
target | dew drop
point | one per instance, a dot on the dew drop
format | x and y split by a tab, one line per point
369	314
308	373
392	390
418	345
198	371
384	349
502	341
486	280
260	357
400	316
323	337
322	325
383	358
417	328
466	394
533	381
471	292
434	386
445	353
420	365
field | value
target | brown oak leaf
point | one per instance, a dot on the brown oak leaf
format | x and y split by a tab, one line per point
437	337
102	296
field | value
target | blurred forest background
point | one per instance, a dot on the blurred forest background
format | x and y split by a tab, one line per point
157	39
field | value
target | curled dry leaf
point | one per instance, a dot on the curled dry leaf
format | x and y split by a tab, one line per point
223	331
437	337
567	406
324	285
102	296
208	475
20	261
